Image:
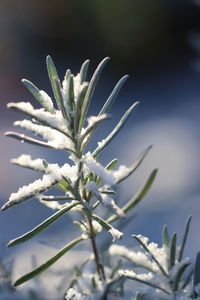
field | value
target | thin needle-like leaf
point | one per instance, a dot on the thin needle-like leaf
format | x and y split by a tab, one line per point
149	283
24	138
187	227
39	228
136	198
91	89
90	128
150	253
165	236
178	276
37	94
117	128
111	99
56	86
172	253
196	274
111	164
55	198
83	70
135	165
48	263
40	120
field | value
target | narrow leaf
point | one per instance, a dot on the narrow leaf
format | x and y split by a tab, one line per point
184	240
46	223
111	164
150	253
165	236
111	99
135	165
24	138
196	274
149	283
91	89
37	94
90	129
79	104
48	263
55	198
15	107
187	279
172	253
114	232
178	276
56	86
110	137
136	198
83	70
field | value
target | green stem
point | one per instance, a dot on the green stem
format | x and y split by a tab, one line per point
99	266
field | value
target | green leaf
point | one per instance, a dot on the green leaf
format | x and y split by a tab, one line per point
56	86
149	283
136	164
187	279
36	93
111	164
83	71
150	253
55	198
136	198
177	277
184	240
24	138
14	107
79	104
91	89
39	228
102	222
116	269
165	236
196	274
114	132
89	130
48	263
111	99
172	253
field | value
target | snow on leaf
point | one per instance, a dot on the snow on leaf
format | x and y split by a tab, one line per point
55	138
26	161
54	175
98	169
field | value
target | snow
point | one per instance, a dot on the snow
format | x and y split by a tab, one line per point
98	169
25	160
53	120
54	175
116	234
145	277
54	138
73	295
137	257
47	102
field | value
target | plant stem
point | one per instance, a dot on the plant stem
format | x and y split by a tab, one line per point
99	266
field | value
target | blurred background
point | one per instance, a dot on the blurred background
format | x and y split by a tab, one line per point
158	44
